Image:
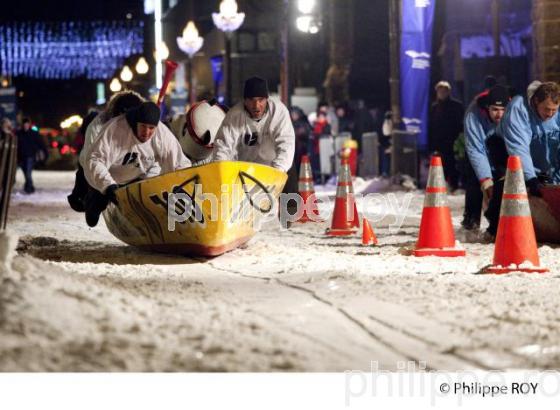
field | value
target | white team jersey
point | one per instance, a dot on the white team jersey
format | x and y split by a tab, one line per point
269	141
118	157
92	132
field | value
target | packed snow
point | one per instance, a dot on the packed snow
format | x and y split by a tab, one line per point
77	299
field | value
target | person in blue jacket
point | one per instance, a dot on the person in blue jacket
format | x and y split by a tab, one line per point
486	153
531	130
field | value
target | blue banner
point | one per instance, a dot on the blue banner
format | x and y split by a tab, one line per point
217	63
416	51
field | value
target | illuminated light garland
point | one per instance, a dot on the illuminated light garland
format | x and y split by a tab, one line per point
68	49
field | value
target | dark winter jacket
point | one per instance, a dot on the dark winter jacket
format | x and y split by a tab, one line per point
29	144
445	125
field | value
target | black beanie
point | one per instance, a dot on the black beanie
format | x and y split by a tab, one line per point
148	113
498	96
255	87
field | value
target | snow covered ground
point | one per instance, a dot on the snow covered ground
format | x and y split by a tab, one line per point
76	299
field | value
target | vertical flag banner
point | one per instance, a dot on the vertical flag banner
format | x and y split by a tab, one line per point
217	63
416	51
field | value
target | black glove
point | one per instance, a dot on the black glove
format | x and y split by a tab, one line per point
544	178
110	193
534	187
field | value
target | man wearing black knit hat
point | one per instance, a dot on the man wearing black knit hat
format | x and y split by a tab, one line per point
257	129
132	146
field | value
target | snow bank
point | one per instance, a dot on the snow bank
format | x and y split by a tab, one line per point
8	244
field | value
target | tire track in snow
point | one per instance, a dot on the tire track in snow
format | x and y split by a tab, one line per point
461	362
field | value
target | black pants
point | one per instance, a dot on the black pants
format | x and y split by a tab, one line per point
498	156
493	211
26	165
81	186
473	196
95	203
450	168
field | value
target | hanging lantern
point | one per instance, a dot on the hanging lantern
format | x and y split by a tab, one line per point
190	42
142	66
126	74
115	85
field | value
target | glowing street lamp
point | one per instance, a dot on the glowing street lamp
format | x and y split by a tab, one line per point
115	85
126	74
190	43
307	24
306	6
142	66
162	52
309	20
228	20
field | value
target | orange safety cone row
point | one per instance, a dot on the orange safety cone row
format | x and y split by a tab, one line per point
368	236
307	192
515	248
345	215
436	237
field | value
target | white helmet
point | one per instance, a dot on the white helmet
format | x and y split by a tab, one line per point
197	129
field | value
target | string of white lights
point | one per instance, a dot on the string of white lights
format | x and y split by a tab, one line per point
68	49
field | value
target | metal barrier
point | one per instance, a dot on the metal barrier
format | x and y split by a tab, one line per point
329	152
326	154
404	154
8	157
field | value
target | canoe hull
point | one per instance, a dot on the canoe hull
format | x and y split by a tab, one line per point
205	210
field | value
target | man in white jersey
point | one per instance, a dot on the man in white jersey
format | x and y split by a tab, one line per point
257	129
119	103
132	146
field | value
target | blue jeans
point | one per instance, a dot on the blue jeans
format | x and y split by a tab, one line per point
384	161
26	165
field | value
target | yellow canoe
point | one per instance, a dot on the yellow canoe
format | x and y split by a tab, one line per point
217	208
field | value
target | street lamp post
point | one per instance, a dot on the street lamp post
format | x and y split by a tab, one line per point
190	43
228	20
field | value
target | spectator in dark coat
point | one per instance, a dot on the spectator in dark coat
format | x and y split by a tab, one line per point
29	146
363	122
302	129
344	120
445	125
321	127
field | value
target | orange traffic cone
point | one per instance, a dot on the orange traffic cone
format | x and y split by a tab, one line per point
368	236
436	237
307	192
516	246
345	215
345	159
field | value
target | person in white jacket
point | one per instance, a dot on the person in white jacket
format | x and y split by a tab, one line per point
130	147
119	103
257	129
